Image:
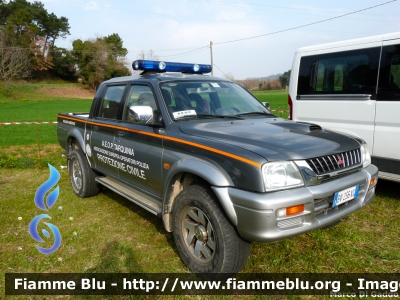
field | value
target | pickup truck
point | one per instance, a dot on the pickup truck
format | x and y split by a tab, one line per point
213	162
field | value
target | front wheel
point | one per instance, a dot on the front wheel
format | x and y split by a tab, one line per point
82	176
207	242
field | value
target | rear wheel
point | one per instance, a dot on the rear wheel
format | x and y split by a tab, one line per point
82	176
207	242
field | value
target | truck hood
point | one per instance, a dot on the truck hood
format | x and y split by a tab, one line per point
273	139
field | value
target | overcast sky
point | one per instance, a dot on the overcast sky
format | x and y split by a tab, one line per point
174	27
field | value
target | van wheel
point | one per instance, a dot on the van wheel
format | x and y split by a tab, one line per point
207	242
82	176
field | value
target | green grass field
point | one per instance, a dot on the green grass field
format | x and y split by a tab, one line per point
107	233
44	108
277	100
29	92
25	104
35	111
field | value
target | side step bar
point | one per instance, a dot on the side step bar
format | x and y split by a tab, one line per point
143	200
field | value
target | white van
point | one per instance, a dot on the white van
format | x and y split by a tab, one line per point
353	87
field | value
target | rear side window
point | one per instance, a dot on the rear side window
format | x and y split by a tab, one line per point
109	106
348	72
389	75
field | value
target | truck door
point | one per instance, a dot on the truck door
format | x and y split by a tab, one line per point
386	151
140	146
102	130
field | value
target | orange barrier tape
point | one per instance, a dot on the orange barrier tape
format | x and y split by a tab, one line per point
23	123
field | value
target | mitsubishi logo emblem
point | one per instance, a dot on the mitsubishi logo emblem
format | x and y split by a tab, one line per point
340	160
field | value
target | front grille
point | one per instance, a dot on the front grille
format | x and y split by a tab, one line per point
335	162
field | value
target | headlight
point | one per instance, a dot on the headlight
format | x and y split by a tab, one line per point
280	175
365	156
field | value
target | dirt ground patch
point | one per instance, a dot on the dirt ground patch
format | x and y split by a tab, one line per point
32	150
67	91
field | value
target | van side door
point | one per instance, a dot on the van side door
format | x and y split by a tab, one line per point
386	152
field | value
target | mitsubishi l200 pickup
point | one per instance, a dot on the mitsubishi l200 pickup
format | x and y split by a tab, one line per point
213	162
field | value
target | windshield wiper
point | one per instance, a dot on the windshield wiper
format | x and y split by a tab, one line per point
184	118
220	116
255	113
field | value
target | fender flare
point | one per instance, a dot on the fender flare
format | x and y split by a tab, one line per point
216	177
75	133
203	169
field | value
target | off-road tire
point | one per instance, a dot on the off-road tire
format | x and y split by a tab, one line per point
81	175
219	247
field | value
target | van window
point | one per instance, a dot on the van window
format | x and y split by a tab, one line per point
389	75
395	73
348	72
330	76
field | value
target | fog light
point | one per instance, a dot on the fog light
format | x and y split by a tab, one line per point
291	210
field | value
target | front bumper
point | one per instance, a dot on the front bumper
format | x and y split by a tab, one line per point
255	214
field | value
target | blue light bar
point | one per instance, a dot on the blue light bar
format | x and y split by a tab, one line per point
164	66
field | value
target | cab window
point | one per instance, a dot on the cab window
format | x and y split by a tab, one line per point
139	95
110	103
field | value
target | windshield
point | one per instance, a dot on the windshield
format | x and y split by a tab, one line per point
213	99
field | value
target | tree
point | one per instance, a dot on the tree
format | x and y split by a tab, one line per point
284	79
229	76
64	63
271	84
150	55
34	28
100	59
41	56
25	17
14	61
116	46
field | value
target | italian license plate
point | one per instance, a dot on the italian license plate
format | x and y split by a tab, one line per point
345	195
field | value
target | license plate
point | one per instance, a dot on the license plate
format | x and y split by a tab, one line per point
345	195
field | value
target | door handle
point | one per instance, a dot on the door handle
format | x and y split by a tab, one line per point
95	127
121	133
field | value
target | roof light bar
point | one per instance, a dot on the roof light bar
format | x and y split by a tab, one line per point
163	66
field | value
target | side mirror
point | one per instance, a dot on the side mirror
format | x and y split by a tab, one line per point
141	115
266	105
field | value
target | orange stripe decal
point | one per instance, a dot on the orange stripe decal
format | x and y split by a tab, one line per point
170	139
214	150
73	119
